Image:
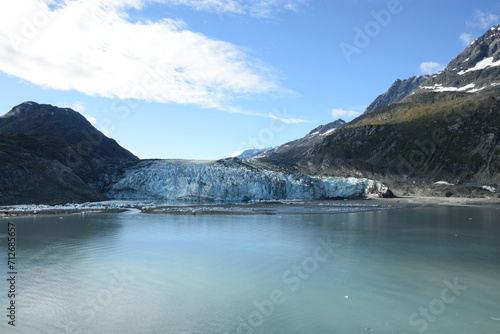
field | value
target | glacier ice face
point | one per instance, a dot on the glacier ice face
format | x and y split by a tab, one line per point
230	180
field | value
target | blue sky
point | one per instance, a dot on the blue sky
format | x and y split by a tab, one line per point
204	79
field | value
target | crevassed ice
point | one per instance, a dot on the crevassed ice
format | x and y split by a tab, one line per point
174	179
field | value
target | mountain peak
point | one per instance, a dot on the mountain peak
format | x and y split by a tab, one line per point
301	145
322	129
398	91
65	129
476	70
486	46
21	108
34	119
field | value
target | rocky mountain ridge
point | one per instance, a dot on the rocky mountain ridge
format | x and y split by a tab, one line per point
474	70
443	127
301	145
398	91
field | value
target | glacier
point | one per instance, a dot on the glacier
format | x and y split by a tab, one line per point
232	180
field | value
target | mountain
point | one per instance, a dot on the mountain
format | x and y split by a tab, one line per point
300	146
443	127
50	155
474	71
253	152
398	91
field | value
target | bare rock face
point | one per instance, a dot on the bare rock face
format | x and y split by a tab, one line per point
397	92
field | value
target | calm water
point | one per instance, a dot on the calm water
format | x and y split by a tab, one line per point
432	270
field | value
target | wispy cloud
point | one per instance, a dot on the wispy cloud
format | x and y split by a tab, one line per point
339	113
466	38
475	27
77	106
430	67
257	8
287	120
90	46
483	20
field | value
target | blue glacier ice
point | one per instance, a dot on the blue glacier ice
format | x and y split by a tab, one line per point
231	180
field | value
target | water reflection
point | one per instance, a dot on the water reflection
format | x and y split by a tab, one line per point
136	273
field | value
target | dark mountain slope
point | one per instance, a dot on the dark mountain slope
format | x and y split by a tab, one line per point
456	141
50	155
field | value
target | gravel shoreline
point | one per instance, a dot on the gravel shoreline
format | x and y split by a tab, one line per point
254	208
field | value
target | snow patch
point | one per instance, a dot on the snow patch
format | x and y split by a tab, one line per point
439	88
444	183
476	90
328	132
481	65
490	189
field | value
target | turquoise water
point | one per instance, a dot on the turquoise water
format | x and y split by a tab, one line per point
411	270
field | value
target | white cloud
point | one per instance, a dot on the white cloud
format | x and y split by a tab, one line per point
89	46
466	38
483	20
430	67
475	27
258	8
77	106
339	113
91	119
133	152
287	120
